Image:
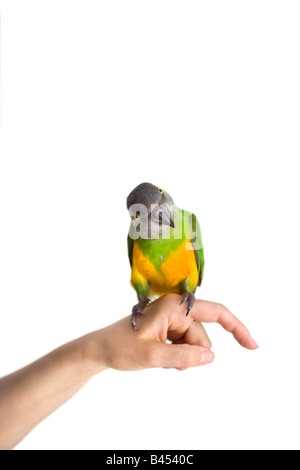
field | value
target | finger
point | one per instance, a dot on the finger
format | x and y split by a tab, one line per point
179	356
205	311
197	335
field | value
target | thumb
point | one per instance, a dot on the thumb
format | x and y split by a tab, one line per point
181	356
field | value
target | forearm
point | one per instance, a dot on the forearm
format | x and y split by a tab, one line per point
31	394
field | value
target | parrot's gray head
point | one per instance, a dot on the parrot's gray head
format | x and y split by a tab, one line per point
151	206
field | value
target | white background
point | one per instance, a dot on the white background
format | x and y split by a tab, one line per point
202	99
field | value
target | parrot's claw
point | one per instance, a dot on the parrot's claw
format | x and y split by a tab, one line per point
190	299
133	324
138	311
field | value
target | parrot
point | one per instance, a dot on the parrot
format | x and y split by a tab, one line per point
165	248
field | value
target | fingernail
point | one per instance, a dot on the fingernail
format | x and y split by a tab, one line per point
206	357
255	343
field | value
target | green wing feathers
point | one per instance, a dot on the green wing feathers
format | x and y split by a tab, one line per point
130	248
198	247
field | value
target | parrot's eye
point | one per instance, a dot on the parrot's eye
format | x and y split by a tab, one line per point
137	216
160	190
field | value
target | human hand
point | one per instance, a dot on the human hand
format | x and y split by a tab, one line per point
120	347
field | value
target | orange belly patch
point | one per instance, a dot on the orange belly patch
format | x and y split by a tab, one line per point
181	265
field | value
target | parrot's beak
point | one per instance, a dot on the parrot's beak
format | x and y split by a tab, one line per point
172	223
165	216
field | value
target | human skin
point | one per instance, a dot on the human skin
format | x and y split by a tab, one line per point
31	394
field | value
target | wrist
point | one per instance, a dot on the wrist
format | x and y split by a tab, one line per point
93	352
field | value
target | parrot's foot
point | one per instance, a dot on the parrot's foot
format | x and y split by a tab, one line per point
190	299
138	310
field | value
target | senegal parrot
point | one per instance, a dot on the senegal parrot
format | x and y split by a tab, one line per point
164	248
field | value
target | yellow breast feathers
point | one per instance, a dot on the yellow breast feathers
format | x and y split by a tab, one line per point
180	266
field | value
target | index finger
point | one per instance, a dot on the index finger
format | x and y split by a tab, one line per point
210	312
